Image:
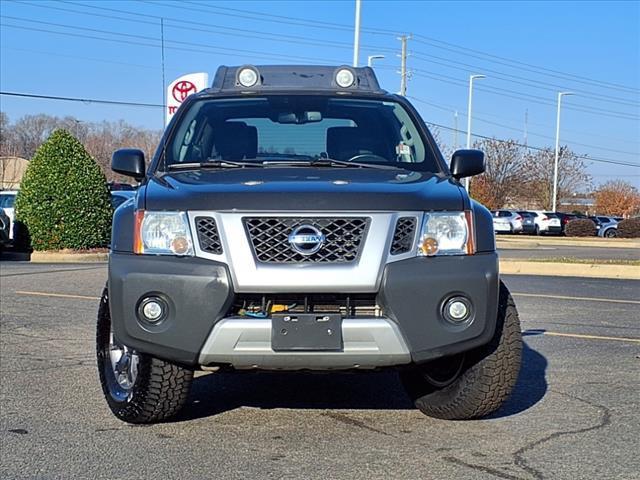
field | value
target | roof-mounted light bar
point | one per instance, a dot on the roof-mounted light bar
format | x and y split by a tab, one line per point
247	76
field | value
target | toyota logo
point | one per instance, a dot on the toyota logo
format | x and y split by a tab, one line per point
182	90
306	239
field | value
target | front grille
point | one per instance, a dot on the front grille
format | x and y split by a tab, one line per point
264	305
208	236
269	237
403	235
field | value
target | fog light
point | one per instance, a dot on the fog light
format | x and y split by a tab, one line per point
152	310
457	310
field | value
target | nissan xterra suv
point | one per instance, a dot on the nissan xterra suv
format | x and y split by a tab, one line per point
302	218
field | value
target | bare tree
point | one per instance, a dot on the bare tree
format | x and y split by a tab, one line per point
505	175
100	139
572	176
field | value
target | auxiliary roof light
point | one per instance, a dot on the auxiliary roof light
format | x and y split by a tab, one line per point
247	76
345	77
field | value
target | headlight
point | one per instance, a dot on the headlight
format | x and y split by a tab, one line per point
162	233
446	233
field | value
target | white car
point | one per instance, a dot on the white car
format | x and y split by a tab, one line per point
546	222
7	200
506	221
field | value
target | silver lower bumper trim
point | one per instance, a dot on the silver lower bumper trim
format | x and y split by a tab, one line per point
245	343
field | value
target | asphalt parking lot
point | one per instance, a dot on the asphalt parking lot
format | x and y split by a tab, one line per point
575	412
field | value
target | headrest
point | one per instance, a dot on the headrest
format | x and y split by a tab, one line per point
344	143
236	140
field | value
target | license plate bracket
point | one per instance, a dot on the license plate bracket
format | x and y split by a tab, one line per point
306	332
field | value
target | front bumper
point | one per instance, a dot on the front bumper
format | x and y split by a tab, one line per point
199	293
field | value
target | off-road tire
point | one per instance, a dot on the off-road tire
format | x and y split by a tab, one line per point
160	389
488	375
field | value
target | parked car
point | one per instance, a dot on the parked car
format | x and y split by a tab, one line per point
7	201
5	222
528	221
566	218
118	197
546	223
607	226
362	250
506	221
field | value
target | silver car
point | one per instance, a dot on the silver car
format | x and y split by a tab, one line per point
607	226
506	221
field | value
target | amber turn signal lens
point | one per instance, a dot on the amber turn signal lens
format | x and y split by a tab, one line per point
180	245
429	246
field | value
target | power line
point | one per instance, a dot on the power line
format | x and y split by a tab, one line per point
530	67
527	81
81	100
266	17
157	105
524	96
212	28
541	149
219	51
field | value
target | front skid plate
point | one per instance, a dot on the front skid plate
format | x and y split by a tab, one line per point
246	343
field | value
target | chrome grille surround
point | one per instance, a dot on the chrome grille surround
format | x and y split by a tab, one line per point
269	237
249	275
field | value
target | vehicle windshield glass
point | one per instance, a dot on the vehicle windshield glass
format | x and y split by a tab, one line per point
299	128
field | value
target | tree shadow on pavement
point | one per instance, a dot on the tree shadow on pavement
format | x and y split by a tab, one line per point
220	392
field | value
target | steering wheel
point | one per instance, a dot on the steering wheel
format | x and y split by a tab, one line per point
367	155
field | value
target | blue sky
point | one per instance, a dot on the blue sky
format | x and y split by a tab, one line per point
110	50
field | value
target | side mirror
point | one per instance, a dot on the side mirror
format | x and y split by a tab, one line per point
467	163
129	162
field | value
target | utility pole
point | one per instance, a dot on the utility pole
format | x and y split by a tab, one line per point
356	36
455	130
526	121
403	65
554	199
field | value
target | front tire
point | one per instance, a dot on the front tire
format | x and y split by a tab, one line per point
480	381
138	387
611	233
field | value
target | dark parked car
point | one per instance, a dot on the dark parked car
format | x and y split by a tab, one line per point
302	218
528	221
5	222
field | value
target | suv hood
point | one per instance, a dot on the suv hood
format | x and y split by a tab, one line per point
302	188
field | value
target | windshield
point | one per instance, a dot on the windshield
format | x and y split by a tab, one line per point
299	129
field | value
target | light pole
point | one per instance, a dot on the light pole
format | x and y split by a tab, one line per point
555	163
356	35
471	79
371	58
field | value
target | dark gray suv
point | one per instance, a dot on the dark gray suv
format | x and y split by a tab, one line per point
302	218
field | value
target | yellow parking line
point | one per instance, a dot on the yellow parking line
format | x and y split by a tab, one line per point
592	337
60	295
586	299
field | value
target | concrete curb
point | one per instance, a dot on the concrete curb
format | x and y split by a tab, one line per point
532	242
63	257
589	270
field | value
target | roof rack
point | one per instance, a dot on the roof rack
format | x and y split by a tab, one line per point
250	78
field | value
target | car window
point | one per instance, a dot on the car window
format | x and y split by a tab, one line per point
299	127
504	213
603	219
7	201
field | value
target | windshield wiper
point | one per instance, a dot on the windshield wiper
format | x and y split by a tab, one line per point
212	164
328	162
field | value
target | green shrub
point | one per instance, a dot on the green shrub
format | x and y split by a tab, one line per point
63	200
580	227
629	228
